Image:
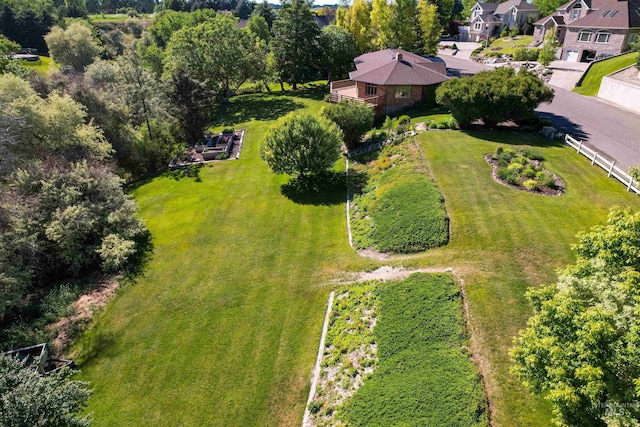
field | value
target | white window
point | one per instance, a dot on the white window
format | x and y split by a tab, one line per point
370	89
584	36
602	37
477	26
575	14
403	91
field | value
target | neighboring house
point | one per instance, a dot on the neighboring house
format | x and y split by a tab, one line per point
488	19
391	79
592	29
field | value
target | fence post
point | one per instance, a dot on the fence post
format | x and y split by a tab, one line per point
611	168
579	147
595	155
630	182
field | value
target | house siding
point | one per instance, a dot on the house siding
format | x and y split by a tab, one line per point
616	43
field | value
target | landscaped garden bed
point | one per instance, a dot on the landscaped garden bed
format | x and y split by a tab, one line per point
523	169
396	355
399	209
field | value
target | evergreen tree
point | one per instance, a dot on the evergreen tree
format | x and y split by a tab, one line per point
296	43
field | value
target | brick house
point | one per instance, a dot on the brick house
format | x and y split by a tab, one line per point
391	79
488	19
592	29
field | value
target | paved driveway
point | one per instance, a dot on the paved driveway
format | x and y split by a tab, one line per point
608	129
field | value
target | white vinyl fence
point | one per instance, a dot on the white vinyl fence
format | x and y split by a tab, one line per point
597	159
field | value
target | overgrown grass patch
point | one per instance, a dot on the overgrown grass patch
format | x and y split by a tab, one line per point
423	374
591	83
44	65
400	209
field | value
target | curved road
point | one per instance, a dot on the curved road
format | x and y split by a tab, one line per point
608	129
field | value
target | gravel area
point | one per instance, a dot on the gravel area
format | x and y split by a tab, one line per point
628	75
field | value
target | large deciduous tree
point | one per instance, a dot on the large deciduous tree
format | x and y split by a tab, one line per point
404	24
30	399
381	24
581	348
73	47
493	96
215	51
338	51
301	145
356	19
192	104
296	43
430	28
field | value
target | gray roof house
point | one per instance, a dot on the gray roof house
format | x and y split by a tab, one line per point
592	29
488	19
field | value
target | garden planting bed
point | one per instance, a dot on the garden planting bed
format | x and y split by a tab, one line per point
397	207
396	354
522	169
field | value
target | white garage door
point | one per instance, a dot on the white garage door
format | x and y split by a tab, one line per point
572	55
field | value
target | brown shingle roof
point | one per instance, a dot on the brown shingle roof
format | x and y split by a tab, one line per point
610	14
521	5
384	68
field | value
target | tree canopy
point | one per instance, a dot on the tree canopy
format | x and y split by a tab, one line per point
296	45
215	52
30	399
301	145
493	96
73	47
581	346
339	49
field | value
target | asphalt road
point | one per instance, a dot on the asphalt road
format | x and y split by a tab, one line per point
608	129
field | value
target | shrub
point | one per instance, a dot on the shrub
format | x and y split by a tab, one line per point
315	406
354	120
493	96
504	32
433	125
529	173
454	47
524	54
443	124
302	145
452	123
530	184
546	179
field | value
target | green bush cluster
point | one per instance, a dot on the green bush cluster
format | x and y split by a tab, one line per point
524	54
446	123
423	372
401	209
523	167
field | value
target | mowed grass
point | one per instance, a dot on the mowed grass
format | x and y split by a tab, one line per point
504	241
44	65
223	326
424	377
591	83
508	45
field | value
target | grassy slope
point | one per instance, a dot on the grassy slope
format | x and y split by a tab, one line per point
423	372
509	45
223	327
591	83
504	240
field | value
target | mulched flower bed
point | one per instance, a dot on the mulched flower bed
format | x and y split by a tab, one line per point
526	174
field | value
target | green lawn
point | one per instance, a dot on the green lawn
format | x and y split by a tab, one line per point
591	83
504	240
508	45
44	65
115	17
223	325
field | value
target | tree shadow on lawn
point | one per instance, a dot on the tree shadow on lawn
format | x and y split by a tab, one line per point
321	190
316	91
260	107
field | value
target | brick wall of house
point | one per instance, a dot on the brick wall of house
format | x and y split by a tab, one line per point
615	45
392	104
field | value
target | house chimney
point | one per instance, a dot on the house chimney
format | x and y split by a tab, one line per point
398	57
